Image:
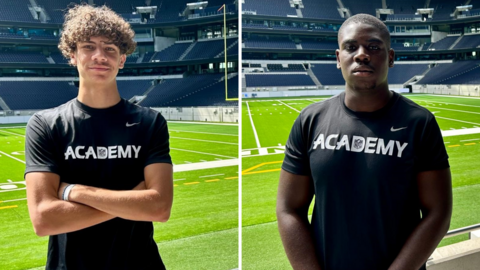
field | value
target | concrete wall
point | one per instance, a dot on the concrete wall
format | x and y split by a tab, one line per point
203	114
462	256
454	89
14	119
163	42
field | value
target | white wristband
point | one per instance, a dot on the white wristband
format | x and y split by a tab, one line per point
66	191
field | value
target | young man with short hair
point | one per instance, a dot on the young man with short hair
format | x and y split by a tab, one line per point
374	160
98	169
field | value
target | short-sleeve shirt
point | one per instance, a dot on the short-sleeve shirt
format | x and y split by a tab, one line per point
106	148
364	168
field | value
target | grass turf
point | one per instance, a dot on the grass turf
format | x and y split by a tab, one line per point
273	119
202	232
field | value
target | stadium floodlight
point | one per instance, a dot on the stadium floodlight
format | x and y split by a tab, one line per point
197	5
463	8
426	13
460	11
147	12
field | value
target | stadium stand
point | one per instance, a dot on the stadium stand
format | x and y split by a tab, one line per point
130	88
16	11
272	42
58	58
267	7
56	8
442	73
206	49
444	43
326	9
289	68
22	57
401	47
368	7
269	80
443	8
468	41
328	74
36	95
405	6
401	73
319	45
171	53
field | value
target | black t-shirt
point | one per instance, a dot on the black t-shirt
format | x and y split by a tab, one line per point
363	166
107	148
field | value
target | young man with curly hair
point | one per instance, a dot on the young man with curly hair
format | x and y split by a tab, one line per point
375	162
98	168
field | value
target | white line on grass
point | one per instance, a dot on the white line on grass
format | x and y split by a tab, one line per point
203	123
12	157
469	140
223	134
14	200
288	106
201	153
205	165
457	120
203	140
452	103
12	127
211	175
253	127
453	96
453	110
16	134
456	132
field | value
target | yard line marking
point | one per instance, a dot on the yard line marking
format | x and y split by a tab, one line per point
199	153
213	180
11	206
191	183
16	134
453	110
203	140
457	120
223	134
179	179
288	106
205	165
14	200
12	157
452	96
203	176
253	127
469	140
202	123
458	104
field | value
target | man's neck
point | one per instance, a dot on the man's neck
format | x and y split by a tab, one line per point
98	96
369	101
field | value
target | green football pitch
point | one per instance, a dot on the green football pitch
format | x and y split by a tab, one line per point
202	232
266	125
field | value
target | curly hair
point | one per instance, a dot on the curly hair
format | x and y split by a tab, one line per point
84	21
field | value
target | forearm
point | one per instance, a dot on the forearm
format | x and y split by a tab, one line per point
422	242
56	217
142	205
298	241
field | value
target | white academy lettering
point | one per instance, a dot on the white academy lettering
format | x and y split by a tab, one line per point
101	152
370	145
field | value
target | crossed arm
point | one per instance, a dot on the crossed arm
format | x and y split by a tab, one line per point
151	200
295	194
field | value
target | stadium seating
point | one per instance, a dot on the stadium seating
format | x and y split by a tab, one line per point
368	7
271	80
326	9
130	88
36	95
446	72
22	57
319	45
401	73
468	41
56	8
268	7
173	89
444	43
443	9
206	49
278	43
289	68
328	74
401	47
404	6
58	58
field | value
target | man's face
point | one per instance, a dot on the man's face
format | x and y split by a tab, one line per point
98	60
364	57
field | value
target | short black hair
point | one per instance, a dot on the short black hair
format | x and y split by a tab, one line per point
370	20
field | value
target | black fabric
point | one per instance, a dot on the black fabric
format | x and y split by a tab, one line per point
107	148
363	166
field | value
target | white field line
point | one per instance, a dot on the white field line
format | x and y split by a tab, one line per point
271	100
453	96
12	157
14	200
203	123
457	120
12	127
201	153
253	127
448	133
452	110
203	140
469	140
288	106
211	133
205	165
16	134
458	104
203	176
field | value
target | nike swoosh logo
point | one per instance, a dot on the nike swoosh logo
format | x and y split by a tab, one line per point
132	124
397	129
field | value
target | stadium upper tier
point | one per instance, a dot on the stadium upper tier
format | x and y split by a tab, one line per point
332	10
52	11
195	90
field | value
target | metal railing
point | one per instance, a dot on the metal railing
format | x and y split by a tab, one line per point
463	230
